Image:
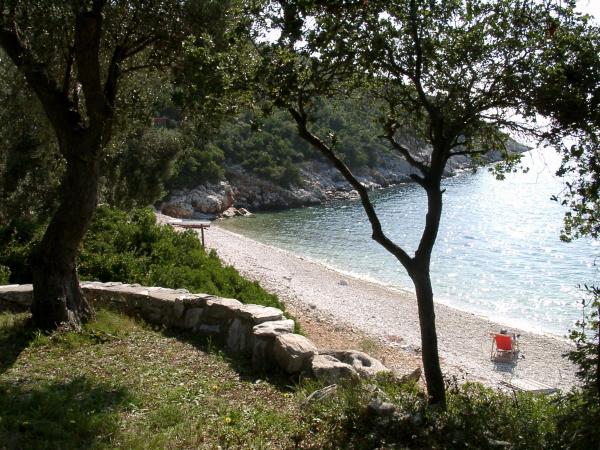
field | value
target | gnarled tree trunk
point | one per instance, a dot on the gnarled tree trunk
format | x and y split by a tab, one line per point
57	297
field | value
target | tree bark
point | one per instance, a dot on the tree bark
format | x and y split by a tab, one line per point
57	297
429	349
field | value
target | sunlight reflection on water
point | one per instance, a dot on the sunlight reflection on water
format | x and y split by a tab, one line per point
498	252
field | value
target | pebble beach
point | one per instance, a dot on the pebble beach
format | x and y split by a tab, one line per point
389	316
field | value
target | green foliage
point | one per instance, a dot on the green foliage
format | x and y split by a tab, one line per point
570	97
18	238
269	146
133	248
198	165
581	170
477	417
113	395
581	414
136	174
4	274
120	384
30	165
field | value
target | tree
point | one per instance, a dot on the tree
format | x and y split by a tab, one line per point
568	93
76	57
454	75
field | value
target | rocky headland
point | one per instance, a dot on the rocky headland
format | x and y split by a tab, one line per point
242	192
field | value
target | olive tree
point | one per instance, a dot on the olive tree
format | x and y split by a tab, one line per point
453	75
76	57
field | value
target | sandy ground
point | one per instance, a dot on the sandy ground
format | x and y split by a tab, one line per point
337	311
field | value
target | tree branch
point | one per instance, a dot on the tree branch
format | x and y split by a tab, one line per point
467	153
378	235
417	75
390	136
88	33
143	67
55	104
68	70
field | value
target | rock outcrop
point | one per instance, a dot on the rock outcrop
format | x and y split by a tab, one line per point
320	182
202	202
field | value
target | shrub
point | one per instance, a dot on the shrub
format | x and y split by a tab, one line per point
477	417
18	238
4	274
133	248
580	414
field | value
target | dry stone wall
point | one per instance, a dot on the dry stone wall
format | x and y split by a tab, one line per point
259	332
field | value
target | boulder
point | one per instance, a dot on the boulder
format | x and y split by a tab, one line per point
380	408
330	369
363	364
229	213
240	332
274	328
293	352
262	352
413	377
17	294
208	204
263	341
208	200
178	208
208	329
192	317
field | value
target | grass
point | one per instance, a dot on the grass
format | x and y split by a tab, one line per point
120	383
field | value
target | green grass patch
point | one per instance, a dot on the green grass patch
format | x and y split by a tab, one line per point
120	383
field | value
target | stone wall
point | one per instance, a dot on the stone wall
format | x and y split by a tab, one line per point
257	332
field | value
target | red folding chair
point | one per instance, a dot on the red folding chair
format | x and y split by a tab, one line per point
504	344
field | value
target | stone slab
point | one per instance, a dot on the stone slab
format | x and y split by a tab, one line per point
259	314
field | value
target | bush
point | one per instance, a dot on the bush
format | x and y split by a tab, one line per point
477	417
197	166
4	274
133	248
579	418
17	240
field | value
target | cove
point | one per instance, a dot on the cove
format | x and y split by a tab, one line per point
498	252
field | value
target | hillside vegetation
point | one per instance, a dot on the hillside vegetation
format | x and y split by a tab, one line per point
133	248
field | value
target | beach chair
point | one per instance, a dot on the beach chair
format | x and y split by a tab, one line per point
504	345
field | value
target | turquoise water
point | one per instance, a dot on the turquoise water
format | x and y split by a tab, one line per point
498	253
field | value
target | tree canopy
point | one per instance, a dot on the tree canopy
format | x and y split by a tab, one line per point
80	60
455	74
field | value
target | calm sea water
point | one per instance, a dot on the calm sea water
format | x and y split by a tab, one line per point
498	253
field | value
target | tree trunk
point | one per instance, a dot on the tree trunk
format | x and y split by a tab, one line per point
429	348
57	297
419	271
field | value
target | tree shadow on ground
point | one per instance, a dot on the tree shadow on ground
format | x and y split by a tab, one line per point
65	415
14	338
242	364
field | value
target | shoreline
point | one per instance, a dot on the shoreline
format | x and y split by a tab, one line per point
389	315
407	291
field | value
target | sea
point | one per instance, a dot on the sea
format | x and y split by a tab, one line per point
498	253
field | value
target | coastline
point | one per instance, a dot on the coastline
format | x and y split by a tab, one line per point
318	294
